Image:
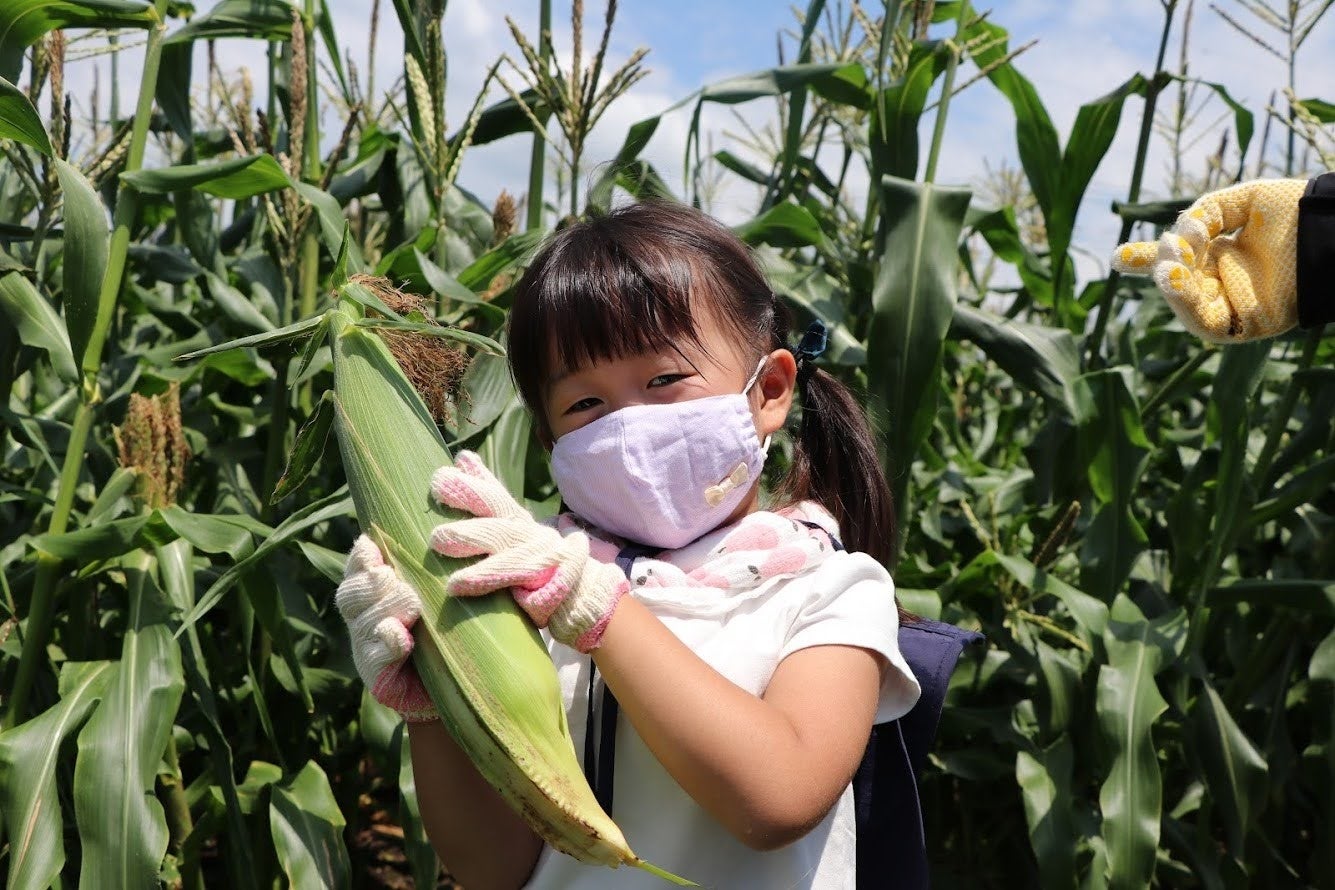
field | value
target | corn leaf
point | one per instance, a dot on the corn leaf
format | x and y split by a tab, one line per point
1039	357
898	109
308	449
29	755
254	19
1113	448
1045	778
37	323
19	120
296	331
235	178
1129	703
23	22
1235	771
783	225
329	213
307	829
912	304
122	827
87	238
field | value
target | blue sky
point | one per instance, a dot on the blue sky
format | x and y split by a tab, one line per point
1085	48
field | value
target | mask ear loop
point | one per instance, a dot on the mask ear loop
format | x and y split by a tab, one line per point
764	446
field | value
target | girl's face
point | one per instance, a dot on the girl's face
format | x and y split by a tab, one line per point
719	365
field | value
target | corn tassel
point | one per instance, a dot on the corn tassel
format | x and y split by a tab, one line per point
482	661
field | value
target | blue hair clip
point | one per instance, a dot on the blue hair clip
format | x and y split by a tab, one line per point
812	344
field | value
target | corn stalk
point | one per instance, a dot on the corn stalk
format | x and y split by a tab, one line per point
43	607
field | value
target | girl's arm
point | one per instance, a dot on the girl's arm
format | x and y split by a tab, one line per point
480	839
767	768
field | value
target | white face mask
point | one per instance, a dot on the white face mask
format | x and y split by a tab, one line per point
662	475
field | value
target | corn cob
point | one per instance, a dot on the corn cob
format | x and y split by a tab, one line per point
481	660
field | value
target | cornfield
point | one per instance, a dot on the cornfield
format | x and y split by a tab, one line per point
1141	524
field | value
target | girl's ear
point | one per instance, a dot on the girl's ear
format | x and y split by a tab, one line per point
775	386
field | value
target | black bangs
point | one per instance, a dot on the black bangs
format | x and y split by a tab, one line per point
622	284
603	295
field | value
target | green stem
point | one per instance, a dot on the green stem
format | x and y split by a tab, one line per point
947	87
1174	381
41	612
1279	421
538	157
1133	193
179	822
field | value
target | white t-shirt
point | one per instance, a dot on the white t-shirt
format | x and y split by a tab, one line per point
848	599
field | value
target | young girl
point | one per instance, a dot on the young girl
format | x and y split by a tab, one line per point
750	650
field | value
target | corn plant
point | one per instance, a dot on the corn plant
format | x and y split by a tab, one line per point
1140	524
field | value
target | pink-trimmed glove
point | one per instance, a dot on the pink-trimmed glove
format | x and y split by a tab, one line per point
552	577
380	609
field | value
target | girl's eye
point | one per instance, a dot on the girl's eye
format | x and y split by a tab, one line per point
582	405
666	379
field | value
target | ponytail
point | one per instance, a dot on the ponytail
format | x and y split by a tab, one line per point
835	462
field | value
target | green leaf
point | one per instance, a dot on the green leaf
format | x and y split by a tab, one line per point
783	225
296	331
1235	771
898	109
19	120
334	505
441	332
1039	357
912	304
1040	151
29	756
234	178
1306	595
24	22
1128	704
122	827
1091	136
505	449
227	533
329	213
307	829
255	19
1322	665
445	284
308	450
235	306
1113	449
37	323
502	258
1044	776
1089	613
87	239
1321	109
488	390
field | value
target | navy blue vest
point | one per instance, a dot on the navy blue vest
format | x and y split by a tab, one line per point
887	811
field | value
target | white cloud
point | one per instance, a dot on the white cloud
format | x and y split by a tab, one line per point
1085	49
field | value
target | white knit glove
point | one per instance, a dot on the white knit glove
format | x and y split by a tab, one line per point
552	577
380	609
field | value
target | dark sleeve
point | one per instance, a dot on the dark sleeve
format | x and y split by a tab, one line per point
1316	252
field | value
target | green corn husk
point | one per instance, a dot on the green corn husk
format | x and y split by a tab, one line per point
480	658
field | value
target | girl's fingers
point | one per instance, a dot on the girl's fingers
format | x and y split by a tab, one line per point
457	488
363	555
528	567
474	537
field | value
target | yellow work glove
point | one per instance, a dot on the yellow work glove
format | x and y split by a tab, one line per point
1228	268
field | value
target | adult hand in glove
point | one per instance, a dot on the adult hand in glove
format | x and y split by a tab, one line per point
1229	266
552	577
